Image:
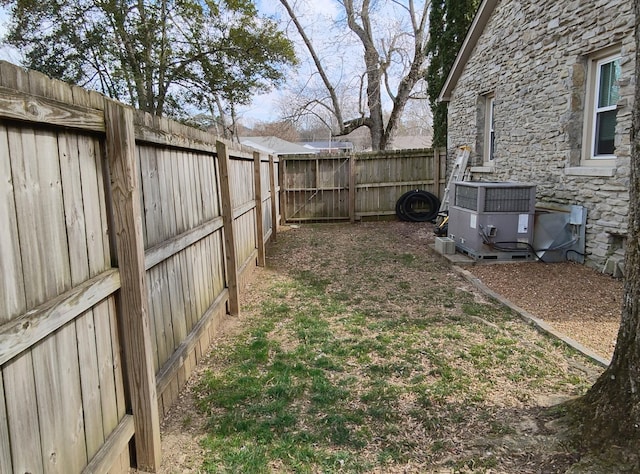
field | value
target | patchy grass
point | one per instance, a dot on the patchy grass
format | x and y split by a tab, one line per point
365	354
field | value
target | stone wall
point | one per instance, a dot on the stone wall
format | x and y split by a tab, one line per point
533	56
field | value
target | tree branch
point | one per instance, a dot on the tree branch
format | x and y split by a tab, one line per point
316	60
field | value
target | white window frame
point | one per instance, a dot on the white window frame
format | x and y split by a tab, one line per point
590	158
489	130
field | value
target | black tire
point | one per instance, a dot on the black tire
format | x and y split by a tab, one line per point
417	206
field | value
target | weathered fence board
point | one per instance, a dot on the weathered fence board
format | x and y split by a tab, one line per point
195	223
150	187
274	173
18	106
12	293
127	223
22	414
5	441
115	443
108	394
59	402
88	357
21	333
340	187
184	217
226	179
259	193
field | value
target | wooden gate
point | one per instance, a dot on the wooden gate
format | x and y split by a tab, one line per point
317	188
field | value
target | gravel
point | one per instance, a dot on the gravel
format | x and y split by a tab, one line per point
577	300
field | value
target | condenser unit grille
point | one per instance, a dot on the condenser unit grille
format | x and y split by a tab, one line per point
467	197
507	200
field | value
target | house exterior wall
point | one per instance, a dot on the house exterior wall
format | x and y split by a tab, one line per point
533	56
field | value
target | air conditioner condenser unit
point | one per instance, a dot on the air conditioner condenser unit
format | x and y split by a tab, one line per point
493	220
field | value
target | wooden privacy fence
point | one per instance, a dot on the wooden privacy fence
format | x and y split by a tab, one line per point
351	187
124	240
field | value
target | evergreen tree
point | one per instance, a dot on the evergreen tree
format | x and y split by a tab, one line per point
449	21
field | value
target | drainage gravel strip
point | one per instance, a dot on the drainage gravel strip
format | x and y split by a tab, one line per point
530	318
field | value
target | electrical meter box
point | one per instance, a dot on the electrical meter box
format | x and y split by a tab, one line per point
493	220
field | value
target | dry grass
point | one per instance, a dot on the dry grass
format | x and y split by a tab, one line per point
360	351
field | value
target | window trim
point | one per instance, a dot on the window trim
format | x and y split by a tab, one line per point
591	110
489	138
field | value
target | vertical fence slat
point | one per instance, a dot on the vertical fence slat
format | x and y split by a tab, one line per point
73	437
177	300
257	176
24	170
166	198
94	205
120	140
22	414
83	434
196	286
154	300
105	368
282	196
205	247
90	383
49	393
149	206
55	264
274	198
12	296
189	288
187	188
117	362
229	238
74	210
166	323
352	187
5	446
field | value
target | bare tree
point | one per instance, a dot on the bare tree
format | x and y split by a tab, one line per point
400	51
283	129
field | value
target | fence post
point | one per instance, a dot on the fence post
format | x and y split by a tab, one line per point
132	304
436	171
257	176
282	195
274	207
352	188
229	237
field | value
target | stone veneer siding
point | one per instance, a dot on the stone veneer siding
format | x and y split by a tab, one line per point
533	55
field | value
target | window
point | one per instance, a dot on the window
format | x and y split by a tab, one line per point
602	95
489	132
601	91
605	104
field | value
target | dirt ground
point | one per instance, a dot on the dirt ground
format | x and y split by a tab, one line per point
574	299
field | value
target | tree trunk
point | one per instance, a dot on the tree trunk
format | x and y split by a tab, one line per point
374	101
373	69
371	116
612	405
